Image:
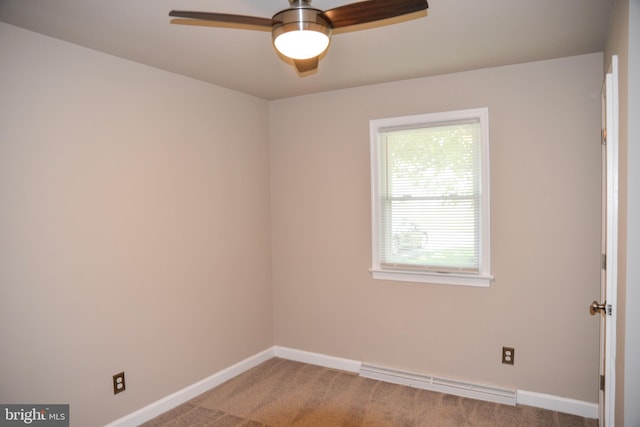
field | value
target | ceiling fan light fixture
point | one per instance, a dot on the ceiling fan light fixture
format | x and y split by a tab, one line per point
301	44
300	33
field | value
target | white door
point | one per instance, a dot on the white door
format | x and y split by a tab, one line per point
606	308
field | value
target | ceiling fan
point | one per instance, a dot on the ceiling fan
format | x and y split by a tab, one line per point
302	32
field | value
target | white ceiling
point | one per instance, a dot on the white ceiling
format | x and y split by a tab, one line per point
455	35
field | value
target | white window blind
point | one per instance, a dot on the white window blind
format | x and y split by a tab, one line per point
428	194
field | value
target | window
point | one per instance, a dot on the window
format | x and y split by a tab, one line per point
430	198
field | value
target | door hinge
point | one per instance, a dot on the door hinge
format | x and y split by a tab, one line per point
603	261
603	136
602	382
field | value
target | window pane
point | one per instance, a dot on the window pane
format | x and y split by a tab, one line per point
439	233
433	160
429	196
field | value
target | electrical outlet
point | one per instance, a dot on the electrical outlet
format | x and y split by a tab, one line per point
508	355
118	383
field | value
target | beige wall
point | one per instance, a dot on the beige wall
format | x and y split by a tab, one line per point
545	184
134	228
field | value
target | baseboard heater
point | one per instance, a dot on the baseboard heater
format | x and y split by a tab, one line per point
438	384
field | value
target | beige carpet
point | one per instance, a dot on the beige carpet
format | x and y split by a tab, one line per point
284	393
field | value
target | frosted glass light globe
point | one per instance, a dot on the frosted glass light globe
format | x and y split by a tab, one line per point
301	44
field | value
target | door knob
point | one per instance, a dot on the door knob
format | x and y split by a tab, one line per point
596	307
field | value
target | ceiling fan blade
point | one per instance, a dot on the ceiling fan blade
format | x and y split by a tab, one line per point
306	65
371	10
217	24
223	17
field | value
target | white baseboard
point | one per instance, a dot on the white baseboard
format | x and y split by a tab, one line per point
175	399
476	391
348	365
559	404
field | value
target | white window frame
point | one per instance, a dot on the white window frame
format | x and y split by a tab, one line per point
483	277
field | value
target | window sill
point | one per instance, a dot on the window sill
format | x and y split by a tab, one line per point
477	280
